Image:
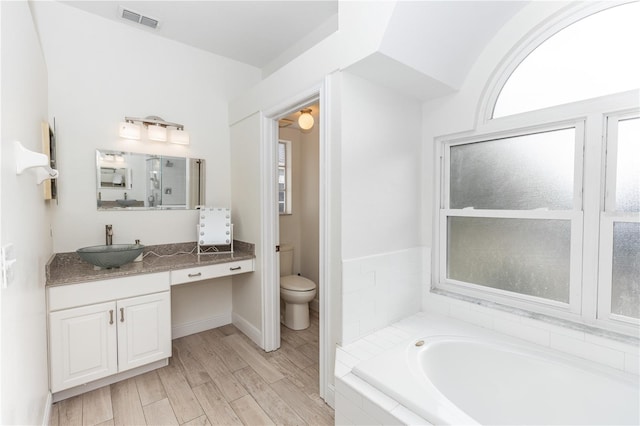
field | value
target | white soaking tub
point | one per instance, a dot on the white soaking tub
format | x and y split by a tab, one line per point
454	379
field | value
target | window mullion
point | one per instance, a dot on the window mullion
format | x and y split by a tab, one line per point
592	206
515	214
610	214
610	147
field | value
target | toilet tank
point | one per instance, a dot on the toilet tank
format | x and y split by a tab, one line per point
286	260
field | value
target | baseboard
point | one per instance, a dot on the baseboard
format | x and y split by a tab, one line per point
248	329
330	396
68	393
46	416
194	327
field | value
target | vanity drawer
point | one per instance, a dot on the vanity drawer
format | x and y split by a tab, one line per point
87	293
189	275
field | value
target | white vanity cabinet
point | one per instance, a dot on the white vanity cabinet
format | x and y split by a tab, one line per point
144	330
82	345
100	328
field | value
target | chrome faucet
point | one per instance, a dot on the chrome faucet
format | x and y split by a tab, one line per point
109	234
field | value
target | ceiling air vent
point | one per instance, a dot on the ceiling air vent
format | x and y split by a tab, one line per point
149	22
130	15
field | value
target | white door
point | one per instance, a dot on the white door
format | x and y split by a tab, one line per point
82	342
144	330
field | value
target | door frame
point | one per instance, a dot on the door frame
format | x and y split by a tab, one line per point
270	226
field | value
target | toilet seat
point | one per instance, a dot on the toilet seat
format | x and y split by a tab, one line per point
296	283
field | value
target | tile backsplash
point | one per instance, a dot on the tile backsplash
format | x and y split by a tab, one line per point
381	289
622	354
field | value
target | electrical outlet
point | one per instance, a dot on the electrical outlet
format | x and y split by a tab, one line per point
8	259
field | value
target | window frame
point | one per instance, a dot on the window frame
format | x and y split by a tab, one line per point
574	216
583	13
565	17
288	210
593	113
609	215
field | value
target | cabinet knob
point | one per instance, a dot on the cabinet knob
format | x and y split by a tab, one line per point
121	314
110	316
235	268
194	275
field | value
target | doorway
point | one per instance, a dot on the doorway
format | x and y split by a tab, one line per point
298	193
271	234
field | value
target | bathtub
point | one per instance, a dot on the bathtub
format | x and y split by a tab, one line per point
461	379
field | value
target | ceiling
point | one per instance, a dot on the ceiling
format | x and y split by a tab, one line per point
427	50
265	34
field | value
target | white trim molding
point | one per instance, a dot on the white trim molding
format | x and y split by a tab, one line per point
270	225
251	331
48	406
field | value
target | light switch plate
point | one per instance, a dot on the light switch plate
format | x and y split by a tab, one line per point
8	259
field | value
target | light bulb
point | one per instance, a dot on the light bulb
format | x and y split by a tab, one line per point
157	133
129	130
179	136
305	121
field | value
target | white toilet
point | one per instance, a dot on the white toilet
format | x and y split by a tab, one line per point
295	291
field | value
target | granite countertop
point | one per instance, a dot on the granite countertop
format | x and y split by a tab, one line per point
68	268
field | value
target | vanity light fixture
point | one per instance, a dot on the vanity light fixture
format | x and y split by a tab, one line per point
157	130
157	133
305	121
179	136
129	130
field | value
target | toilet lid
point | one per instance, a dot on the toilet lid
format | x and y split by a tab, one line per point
297	283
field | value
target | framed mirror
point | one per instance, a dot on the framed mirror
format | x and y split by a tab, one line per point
131	181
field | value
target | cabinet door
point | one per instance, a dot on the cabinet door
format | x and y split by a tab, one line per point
144	330
82	342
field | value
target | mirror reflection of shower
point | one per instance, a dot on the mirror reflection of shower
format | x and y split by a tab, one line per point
154	196
133	181
166	182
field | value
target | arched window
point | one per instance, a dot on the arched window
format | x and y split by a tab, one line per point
595	56
541	210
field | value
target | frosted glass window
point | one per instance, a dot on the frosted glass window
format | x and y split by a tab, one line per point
625	291
517	173
282	190
282	154
523	256
595	56
284	175
628	166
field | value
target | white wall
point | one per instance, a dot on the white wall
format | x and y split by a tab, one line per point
310	163
248	298
113	70
381	217
381	166
24	223
200	306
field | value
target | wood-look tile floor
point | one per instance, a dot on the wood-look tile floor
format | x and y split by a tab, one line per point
218	376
